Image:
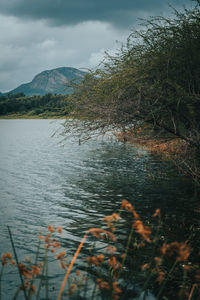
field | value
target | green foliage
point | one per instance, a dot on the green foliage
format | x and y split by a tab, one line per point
154	79
47	105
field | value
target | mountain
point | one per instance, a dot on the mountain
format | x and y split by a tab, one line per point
55	81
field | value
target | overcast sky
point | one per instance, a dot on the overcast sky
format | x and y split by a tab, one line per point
36	35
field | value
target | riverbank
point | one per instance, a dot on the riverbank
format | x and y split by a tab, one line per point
31	116
184	157
167	147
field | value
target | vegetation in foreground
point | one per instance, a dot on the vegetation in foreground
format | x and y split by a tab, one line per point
131	266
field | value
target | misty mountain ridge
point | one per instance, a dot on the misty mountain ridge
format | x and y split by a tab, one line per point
55	81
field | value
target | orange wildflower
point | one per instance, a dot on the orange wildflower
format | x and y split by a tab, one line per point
32	289
124	203
113	217
62	264
110	225
111	249
79	283
116	289
113	262
157	213
157	260
144	267
78	273
136	216
164	248
108	219
122	256
47	239
72	288
161	275
50	228
144	231
7	257
129	207
61	255
184	252
59	229
4	260
98	232
35	270
23	270
12	262
53	250
56	245
104	285
100	258
41	264
92	260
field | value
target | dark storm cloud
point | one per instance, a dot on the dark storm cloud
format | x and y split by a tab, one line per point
65	12
36	35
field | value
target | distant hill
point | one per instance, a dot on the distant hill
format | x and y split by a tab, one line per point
53	81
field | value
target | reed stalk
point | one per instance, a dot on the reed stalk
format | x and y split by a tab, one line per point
150	274
94	292
40	283
183	283
16	294
36	259
166	280
47	275
71	265
17	261
86	282
1	274
126	252
192	291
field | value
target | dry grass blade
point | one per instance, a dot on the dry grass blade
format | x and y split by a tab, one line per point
71	265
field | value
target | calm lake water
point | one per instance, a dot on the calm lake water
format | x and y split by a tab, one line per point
45	183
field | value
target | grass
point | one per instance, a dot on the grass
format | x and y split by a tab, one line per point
140	258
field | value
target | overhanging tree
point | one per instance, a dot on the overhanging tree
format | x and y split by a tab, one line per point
153	79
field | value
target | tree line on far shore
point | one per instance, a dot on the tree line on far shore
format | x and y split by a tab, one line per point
47	105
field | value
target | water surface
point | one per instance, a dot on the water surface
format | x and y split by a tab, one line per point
43	182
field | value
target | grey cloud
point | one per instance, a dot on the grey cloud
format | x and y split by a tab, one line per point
36	35
24	52
65	12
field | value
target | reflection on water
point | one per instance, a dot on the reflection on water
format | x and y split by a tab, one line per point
42	183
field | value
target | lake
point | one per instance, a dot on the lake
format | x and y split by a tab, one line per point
44	182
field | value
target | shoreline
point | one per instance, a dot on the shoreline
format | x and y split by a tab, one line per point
167	147
31	117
